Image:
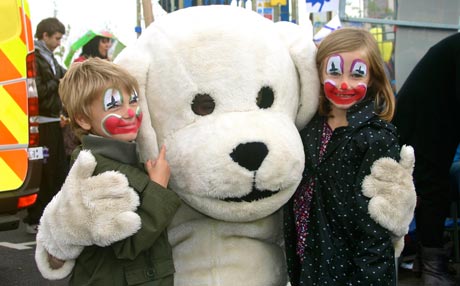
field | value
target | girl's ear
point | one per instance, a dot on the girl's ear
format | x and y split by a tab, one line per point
83	122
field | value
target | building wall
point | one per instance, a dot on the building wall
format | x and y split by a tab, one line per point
412	43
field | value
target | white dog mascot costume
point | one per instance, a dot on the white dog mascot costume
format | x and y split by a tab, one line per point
225	90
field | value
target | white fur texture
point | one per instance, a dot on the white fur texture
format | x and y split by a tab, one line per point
230	54
88	210
391	189
41	258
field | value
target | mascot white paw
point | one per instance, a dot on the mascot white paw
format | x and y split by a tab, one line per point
88	210
391	189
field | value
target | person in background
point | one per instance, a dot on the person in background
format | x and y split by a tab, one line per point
97	47
330	237
455	174
49	72
427	117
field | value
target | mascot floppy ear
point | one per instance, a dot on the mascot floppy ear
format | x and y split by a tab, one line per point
299	40
137	64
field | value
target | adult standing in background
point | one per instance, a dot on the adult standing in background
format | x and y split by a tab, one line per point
48	37
97	47
427	117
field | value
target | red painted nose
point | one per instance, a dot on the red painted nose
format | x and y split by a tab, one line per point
344	86
131	113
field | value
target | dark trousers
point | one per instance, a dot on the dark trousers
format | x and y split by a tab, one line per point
54	169
435	197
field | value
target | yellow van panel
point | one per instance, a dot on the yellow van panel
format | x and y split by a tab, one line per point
10	20
12	169
13	117
15	51
16	42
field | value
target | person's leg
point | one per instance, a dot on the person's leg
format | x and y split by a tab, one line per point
53	171
455	178
430	215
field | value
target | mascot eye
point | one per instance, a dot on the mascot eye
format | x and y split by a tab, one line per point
265	97
203	104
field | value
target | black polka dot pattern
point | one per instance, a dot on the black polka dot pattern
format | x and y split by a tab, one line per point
344	246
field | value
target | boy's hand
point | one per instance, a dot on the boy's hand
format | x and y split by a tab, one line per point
54	262
158	170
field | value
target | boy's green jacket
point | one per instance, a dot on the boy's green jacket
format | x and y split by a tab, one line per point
145	258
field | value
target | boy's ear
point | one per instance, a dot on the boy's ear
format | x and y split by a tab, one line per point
83	122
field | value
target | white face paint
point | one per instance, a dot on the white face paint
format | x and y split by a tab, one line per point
345	78
112	98
116	114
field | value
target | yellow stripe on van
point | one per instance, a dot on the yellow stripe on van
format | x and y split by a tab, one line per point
13	117
8	178
15	51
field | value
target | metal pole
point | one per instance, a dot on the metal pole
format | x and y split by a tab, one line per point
148	13
138	18
295	11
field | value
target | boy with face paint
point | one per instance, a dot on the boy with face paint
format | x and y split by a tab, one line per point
330	237
102	101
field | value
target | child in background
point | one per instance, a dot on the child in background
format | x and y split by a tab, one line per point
330	237
102	102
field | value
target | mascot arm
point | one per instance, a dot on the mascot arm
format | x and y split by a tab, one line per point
88	210
392	195
158	206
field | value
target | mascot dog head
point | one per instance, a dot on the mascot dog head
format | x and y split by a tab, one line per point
224	89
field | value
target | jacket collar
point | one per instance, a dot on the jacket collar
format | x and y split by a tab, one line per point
360	113
124	152
46	53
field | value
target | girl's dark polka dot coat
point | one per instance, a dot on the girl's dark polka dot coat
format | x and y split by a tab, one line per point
344	246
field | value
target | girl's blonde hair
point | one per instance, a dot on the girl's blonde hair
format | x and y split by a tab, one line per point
353	39
85	81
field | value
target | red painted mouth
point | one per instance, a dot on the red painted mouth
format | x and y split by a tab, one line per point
344	97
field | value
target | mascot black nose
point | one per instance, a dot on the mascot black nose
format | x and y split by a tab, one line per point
250	155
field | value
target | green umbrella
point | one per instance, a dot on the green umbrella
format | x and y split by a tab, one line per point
88	37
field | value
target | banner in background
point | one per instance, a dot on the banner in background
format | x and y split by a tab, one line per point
332	25
315	6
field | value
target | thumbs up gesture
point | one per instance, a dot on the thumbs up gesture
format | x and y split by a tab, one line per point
87	210
391	191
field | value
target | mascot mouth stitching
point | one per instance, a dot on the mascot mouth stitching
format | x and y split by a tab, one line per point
250	156
254	195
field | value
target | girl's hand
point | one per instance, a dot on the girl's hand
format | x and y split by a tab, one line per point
158	169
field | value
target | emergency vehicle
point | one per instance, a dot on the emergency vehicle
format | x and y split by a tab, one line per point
21	158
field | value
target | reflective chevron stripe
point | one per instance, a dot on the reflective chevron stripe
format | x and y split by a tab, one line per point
15	43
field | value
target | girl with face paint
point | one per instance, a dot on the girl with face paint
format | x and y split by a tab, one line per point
102	101
330	237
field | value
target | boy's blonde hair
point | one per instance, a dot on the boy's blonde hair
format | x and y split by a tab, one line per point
85	81
353	39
